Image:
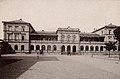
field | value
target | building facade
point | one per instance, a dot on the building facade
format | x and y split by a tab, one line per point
24	39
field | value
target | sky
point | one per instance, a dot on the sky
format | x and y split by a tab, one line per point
49	15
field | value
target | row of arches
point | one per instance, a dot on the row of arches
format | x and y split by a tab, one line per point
16	47
91	48
68	48
43	47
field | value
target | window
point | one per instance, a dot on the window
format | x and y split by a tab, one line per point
43	47
32	47
22	47
23	28
9	28
96	48
109	37
22	37
16	37
109	32
16	47
48	47
87	48
81	48
91	48
37	47
54	47
101	32
16	28
9	35
101	48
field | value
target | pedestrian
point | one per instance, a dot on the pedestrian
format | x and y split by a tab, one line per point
37	54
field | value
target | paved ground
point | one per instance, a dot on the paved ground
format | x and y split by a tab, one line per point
73	67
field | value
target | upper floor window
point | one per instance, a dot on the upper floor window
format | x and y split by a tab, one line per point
109	32
109	37
23	28
9	28
16	28
101	32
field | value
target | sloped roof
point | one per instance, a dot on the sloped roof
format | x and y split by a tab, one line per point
106	26
16	21
44	33
89	35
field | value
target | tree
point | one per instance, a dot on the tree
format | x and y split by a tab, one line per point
117	37
110	46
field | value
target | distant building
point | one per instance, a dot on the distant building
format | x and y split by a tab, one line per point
24	39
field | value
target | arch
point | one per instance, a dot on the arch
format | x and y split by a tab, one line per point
54	47
32	47
91	48
43	47
82	48
74	48
63	48
96	48
101	48
22	47
37	47
68	48
87	48
16	47
48	47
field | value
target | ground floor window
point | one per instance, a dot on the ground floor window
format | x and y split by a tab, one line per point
63	48
91	48
43	47
32	47
74	48
22	47
16	47
48	47
82	48
37	47
54	47
101	48
87	48
96	48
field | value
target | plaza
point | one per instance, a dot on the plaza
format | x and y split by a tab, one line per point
60	67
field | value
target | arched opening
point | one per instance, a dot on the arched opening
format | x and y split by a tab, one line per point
91	48
96	48
74	48
87	48
48	47
54	47
37	47
43	47
22	37
63	48
68	48
16	47
101	48
32	47
22	47
81	48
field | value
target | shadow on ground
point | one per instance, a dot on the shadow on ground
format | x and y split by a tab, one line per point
13	67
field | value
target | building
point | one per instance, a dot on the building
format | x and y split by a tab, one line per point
24	38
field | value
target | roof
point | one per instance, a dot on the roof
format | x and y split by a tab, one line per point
44	33
16	21
89	35
20	21
69	29
106	26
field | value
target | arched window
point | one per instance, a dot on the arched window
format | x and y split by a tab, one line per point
22	47
101	48
82	48
43	47
63	48
96	48
32	47
54	47
91	48
68	48
48	47
16	47
37	47
87	48
74	48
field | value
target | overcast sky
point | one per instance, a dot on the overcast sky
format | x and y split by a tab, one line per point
49	15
